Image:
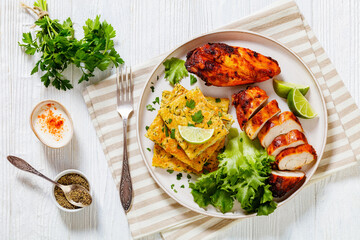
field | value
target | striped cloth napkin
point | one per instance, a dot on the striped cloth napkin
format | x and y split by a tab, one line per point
153	210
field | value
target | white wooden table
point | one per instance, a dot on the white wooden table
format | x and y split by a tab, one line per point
329	209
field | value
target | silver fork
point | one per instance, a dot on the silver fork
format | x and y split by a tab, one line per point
125	108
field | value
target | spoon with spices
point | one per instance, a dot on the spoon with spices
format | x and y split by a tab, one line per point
76	194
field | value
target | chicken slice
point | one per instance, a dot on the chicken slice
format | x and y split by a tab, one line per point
293	138
283	181
222	65
281	124
247	102
254	125
296	157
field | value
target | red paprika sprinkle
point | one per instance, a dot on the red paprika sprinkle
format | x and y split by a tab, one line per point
52	123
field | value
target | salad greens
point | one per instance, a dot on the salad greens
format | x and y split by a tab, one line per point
244	167
175	70
59	47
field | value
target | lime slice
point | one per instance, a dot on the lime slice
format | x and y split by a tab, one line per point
282	88
299	105
195	135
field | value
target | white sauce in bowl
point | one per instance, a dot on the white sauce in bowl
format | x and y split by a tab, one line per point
52	124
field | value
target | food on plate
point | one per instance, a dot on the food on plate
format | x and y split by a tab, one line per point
284	123
283	181
222	65
254	125
193	108
293	138
195	135
296	157
242	175
171	153
60	49
282	88
175	70
247	102
299	105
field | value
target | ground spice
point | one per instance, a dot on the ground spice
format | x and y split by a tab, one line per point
68	179
52	123
80	196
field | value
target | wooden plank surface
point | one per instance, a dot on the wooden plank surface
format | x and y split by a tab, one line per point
327	210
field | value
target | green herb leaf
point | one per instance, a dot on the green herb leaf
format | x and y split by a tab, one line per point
179	176
190	104
175	70
172	134
148	149
178	146
157	100
152	88
209	122
150	108
147	128
170	171
197	117
217	100
191	125
192	79
170	120
59	48
182	186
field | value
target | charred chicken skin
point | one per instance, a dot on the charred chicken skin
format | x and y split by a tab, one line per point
283	181
247	102
222	65
254	125
296	157
293	138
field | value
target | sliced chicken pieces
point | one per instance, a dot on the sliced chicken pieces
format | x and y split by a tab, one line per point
281	124
296	157
254	125
247	102
284	181
293	138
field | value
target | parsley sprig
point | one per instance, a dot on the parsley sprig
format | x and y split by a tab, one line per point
59	48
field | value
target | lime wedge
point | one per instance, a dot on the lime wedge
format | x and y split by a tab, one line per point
195	135
282	88
299	105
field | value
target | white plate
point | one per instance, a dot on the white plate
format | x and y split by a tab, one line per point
292	70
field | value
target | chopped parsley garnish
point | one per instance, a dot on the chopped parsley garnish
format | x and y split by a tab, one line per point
188	176
148	149
147	128
191	125
220	114
157	100
152	88
172	186
205	171
197	117
178	146
166	131
206	164
150	108
170	171
170	120
172	134
209	122
190	104
175	190
182	186
179	176
217	100
192	79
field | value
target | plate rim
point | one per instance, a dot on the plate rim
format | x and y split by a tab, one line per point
165	56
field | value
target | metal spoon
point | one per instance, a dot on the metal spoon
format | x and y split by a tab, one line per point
67	189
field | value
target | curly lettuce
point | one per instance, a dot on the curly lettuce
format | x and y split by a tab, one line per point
244	167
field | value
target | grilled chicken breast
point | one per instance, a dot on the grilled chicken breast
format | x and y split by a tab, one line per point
222	65
296	157
281	124
283	181
247	102
254	125
293	138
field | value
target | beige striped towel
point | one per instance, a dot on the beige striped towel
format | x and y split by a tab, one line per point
153	210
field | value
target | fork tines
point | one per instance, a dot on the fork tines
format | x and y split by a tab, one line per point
124	84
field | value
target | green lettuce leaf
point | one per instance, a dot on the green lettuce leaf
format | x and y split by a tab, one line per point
175	70
243	170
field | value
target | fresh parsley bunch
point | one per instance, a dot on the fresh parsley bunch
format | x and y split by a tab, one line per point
60	48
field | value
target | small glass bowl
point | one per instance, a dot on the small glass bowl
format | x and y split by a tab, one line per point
53	188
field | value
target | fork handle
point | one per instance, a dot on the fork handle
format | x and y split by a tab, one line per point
126	190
